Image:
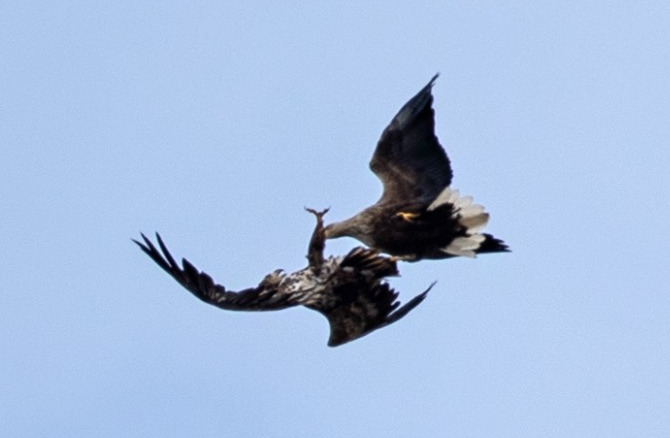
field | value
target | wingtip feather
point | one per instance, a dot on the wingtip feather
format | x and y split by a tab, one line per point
433	79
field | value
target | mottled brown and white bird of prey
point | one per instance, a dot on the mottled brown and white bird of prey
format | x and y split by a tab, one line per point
418	215
349	291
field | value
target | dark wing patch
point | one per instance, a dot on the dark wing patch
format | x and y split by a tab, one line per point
360	302
265	296
366	259
370	309
409	159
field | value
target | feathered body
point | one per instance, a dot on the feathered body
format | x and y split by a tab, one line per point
349	291
418	215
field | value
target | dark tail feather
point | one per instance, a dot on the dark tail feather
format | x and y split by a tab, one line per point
492	244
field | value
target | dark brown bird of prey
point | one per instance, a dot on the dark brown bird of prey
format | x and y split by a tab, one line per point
418	215
348	290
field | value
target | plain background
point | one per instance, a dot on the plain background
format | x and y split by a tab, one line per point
215	123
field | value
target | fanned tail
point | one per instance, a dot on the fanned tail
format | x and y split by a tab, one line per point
472	218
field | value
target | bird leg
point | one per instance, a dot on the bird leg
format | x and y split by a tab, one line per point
407	217
318	241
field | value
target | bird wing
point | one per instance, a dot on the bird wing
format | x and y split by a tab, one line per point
359	302
373	308
263	297
409	159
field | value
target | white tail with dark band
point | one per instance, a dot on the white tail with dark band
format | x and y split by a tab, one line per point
471	216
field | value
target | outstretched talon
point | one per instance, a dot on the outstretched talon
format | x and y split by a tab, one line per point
407	217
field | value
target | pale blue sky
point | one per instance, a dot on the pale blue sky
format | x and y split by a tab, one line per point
216	122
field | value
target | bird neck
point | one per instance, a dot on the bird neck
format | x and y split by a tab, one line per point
352	227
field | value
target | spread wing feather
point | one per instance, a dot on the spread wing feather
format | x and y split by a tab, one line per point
374	308
409	159
265	296
361	303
